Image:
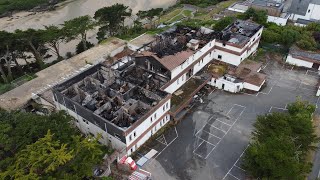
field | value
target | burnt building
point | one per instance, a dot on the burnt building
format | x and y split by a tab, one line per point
124	105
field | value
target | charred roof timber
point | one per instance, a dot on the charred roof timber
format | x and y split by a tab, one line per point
239	32
177	39
119	97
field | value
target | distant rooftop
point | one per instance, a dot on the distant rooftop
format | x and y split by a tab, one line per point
307	55
240	32
300	7
268	3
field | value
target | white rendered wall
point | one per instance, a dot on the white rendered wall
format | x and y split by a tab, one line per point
278	20
228	85
298	62
252	87
86	127
155	129
147	123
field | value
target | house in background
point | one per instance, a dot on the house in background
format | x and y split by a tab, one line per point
302	58
304	12
274	9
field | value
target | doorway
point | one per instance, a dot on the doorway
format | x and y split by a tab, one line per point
223	86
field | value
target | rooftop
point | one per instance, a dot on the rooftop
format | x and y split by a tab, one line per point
177	44
307	55
268	3
300	7
56	73
240	32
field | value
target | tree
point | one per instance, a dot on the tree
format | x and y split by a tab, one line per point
111	19
53	36
281	142
33	43
289	36
79	27
48	147
258	16
223	23
43	156
150	14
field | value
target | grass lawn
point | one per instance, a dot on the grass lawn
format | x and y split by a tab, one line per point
187	13
170	15
176	18
218	8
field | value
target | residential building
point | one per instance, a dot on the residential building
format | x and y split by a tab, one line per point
184	52
127	98
123	105
274	8
304	12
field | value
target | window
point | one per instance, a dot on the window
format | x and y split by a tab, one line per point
163	120
160	123
201	60
164	108
219	57
131	150
224	44
253	39
199	63
308	10
130	138
116	135
182	78
177	81
155	128
134	134
259	34
151	119
167	105
155	115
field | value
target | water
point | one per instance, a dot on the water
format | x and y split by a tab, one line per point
72	9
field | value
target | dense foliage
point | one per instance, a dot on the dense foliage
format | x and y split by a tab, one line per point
34	146
201	3
280	144
307	38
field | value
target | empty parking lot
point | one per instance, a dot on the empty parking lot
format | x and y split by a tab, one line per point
213	138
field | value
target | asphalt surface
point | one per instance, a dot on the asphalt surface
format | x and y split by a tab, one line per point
209	142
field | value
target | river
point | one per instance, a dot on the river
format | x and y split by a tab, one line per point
71	9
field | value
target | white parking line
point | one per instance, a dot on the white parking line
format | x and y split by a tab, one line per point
239	167
211	134
227	131
233	176
204	141
167	145
235	162
223	122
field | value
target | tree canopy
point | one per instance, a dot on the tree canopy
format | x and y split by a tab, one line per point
34	146
281	142
111	19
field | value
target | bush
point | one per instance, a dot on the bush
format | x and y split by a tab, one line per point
80	48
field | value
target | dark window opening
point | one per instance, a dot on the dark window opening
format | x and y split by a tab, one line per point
219	57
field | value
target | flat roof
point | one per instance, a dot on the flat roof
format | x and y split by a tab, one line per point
142	40
268	3
240	31
299	7
56	73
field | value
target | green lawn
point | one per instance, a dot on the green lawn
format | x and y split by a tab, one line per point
170	15
187	13
176	18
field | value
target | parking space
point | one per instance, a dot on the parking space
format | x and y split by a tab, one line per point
214	131
213	138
